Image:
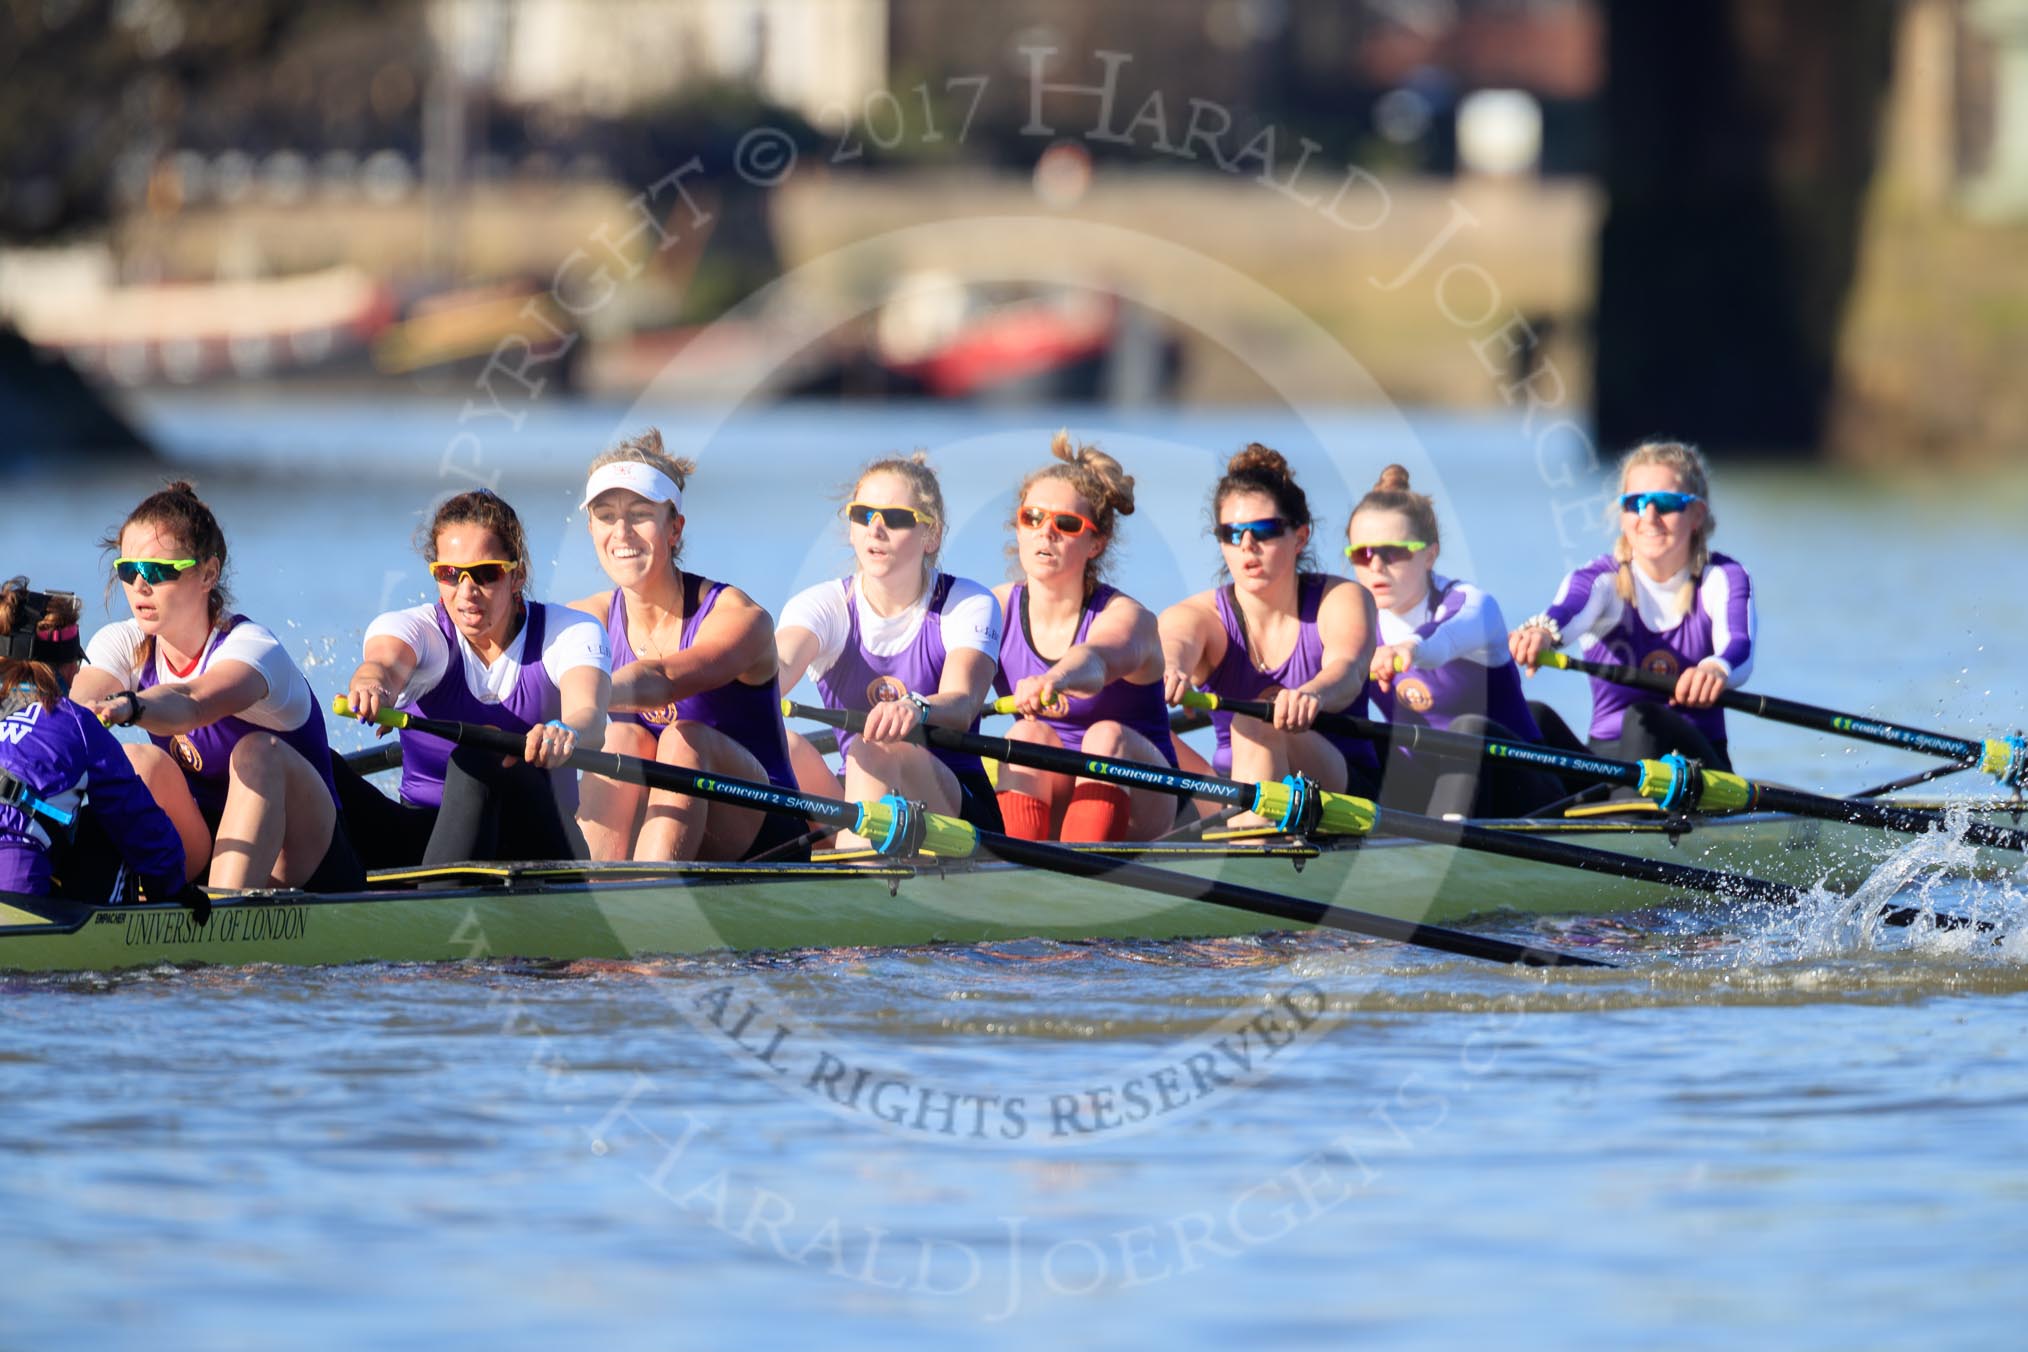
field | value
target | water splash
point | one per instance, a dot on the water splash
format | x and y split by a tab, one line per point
1939	875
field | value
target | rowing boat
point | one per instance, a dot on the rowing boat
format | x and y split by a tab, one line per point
572	910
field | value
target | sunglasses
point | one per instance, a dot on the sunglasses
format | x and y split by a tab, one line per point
1666	503
1066	523
1384	551
894	518
1235	532
483	572
154	572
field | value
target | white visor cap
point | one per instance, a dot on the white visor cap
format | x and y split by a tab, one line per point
635	477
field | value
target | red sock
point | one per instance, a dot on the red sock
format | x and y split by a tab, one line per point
1025	816
1096	812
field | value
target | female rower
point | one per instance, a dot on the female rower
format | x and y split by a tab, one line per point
1277	631
1442	661
903	643
1661	601
238	756
693	675
480	653
1104	693
60	770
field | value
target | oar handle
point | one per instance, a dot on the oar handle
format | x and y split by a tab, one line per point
887	822
386	718
1005	705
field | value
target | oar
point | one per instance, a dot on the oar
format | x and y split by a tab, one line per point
1186	719
1344	814
2004	758
373	759
1672	781
904	828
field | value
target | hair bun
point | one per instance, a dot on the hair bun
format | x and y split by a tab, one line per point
1258	459
1393	479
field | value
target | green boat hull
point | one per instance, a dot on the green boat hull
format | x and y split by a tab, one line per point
569	911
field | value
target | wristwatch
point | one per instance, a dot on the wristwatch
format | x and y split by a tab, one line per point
922	707
133	699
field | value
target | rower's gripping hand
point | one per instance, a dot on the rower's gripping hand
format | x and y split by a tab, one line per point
1526	645
549	744
1699	687
388	719
365	700
1389	659
1033	697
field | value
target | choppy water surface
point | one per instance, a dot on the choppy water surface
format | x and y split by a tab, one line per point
1790	1125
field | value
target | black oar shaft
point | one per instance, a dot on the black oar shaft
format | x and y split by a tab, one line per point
1780	710
1035	854
1457	745
1909	821
1387	821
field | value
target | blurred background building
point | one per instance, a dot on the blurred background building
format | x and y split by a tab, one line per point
1776	225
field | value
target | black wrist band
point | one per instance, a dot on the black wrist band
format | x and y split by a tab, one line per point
133	699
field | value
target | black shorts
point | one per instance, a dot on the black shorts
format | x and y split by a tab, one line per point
338	871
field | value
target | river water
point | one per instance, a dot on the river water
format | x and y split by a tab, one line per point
1783	1127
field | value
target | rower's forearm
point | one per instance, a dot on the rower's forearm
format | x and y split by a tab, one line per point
1082	672
378	675
1182	655
953	709
588	722
168	710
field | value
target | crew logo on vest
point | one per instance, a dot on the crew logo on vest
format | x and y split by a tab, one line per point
186	753
885	690
1661	662
1414	694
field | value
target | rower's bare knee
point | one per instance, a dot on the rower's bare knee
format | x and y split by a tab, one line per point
682	743
256	756
1034	732
879	759
1106	738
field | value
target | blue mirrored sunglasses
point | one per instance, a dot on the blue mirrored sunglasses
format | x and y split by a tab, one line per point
1665	503
1235	532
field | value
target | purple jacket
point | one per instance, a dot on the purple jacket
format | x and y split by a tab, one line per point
64	756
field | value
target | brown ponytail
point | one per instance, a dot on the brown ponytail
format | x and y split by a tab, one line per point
1391	493
177	509
1097	478
23	679
484	508
1262	469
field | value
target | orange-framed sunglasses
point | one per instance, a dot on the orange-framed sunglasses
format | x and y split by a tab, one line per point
1066	523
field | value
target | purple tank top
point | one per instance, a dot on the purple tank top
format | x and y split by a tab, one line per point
1138	707
860	679
205	754
1436	695
1236	677
534	699
750	715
